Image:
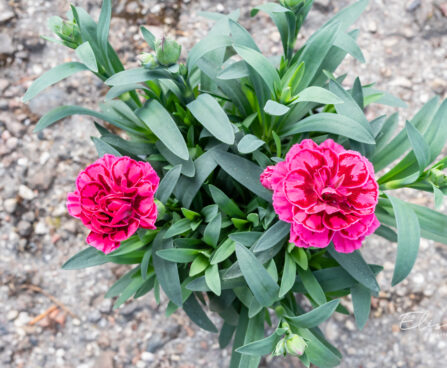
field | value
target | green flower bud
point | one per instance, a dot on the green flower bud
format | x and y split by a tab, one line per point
295	345
148	60
167	51
291	4
280	348
161	209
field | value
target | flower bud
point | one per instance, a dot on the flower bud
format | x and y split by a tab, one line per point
167	51
147	60
280	348
295	345
291	4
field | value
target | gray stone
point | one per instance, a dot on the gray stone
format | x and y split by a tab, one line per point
10	205
24	228
6	12
26	193
6	45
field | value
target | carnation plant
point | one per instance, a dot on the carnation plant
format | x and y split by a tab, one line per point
244	185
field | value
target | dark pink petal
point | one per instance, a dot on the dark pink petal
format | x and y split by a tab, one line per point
316	239
331	159
330	144
74	204
307	160
359	228
305	144
102	242
298	188
281	205
266	176
345	245
352	169
144	205
366	196
278	174
338	221
313	222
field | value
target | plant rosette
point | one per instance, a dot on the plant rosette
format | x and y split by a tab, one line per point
245	185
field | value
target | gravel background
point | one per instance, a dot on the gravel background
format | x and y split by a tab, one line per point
405	45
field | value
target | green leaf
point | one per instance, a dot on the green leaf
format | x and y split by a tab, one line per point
318	95
274	235
315	317
361	300
61	112
177	228
103	148
246	238
188	168
194	311
137	75
212	231
347	43
243	171
87	257
166	272
349	106
249	143
205	46
312	285
118	287
179	255
439	196
260	347
223	251
236	70
331	123
199	264
117	91
225	203
319	351
420	147
400	143
130	290
388	129
212	279
210	114
145	263
87	56
226	333
264	289
300	257
148	37
168	183
53	76
357	93
261	65
160	122
314	53
275	108
408	237
255	331
204	166
356	266
104	25
288	275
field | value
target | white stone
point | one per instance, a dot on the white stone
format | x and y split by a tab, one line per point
26	193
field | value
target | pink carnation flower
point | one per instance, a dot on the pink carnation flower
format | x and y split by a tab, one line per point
327	193
114	196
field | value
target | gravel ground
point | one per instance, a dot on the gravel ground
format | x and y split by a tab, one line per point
405	45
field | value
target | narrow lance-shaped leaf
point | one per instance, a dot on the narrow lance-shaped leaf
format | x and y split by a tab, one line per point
87	56
53	76
315	317
168	183
210	114
408	237
160	122
264	289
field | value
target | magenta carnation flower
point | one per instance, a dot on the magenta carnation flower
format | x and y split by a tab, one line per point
114	196
326	193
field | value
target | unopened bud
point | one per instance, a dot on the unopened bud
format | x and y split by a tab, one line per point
167	51
280	348
295	345
147	60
